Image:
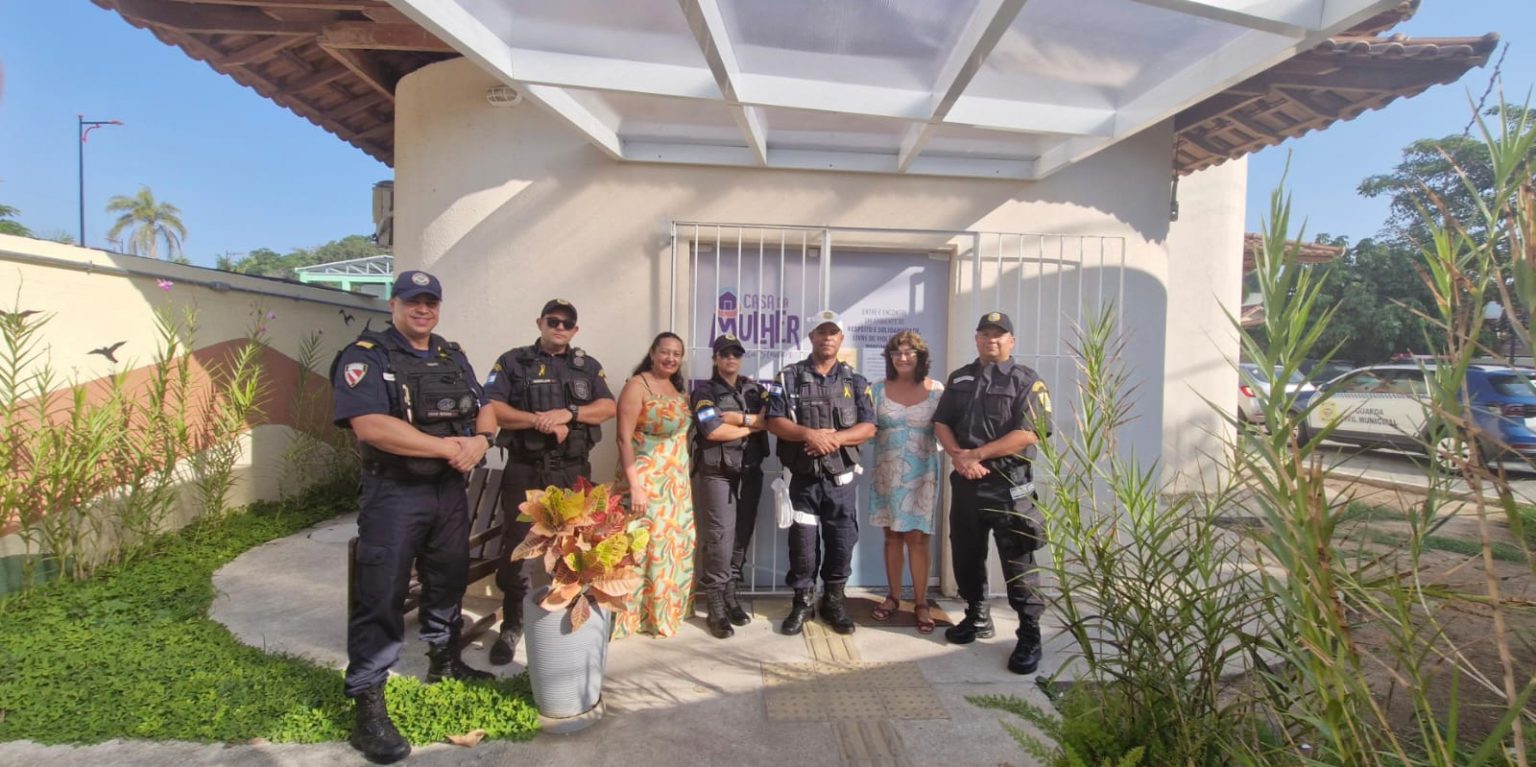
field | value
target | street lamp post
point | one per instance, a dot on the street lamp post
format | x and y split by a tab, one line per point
83	128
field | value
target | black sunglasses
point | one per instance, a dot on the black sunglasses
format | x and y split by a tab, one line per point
560	323
731	354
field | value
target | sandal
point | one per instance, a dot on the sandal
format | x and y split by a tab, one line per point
882	612
924	619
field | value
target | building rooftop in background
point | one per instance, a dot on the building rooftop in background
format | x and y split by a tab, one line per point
373	275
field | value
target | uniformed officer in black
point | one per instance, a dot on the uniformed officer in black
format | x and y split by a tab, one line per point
549	398
821	411
730	442
991	414
415	406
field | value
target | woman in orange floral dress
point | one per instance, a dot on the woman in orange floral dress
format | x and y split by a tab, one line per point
653	472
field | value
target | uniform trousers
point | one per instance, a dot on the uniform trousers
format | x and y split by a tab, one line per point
401	524
725	510
979	506
834	505
520	476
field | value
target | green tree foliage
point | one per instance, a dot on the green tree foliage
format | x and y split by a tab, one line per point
1441	169
9	224
1382	300
148	222
270	263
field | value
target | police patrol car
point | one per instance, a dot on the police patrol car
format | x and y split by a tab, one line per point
1390	406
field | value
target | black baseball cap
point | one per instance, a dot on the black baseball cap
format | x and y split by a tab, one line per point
413	283
995	320
559	305
728	341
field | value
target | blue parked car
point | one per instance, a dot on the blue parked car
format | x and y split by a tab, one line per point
1388	406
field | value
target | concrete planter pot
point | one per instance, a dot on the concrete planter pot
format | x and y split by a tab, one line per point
565	667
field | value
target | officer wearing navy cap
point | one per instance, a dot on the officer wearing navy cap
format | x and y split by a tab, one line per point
992	413
730	443
550	399
821	411
413	402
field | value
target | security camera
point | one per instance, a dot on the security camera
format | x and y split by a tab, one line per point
503	96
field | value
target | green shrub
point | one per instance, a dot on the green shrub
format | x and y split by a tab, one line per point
131	653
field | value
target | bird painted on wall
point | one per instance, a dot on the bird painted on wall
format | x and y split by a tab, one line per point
108	351
347	317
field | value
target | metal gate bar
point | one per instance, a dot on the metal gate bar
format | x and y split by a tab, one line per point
995	259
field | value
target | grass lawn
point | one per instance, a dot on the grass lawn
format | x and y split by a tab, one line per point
131	653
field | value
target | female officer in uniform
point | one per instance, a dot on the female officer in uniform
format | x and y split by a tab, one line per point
413	402
732	440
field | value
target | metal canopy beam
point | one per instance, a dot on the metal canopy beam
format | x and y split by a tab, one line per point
456	26
982	31
819	159
708	28
1242	58
1287	18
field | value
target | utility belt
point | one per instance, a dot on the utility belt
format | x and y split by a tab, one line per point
421	471
840	479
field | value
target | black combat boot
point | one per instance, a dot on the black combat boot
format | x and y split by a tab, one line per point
511	632
977	623
834	610
443	662
719	623
801	609
1025	657
374	734
733	609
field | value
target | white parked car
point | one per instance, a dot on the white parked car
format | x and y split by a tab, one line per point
1389	406
1252	384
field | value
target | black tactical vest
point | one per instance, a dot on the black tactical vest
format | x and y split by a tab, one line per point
546	382
432	393
992	410
830	403
733	457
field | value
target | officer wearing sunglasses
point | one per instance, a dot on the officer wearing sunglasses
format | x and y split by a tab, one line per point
550	400
730	442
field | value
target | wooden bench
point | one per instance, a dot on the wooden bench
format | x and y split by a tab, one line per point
485	523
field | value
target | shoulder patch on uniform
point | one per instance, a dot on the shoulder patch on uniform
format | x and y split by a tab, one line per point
364	344
353	373
1038	387
961	379
708	414
602	374
496	368
702	404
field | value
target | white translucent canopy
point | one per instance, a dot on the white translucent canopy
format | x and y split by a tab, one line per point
985	88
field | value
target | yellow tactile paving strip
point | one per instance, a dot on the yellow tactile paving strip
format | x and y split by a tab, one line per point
825	644
859	699
870	744
846	691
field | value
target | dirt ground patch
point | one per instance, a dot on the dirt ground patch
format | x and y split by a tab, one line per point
1461	623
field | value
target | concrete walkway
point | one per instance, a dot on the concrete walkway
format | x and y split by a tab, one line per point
885	696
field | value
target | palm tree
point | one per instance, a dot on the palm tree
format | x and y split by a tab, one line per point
150	221
9	224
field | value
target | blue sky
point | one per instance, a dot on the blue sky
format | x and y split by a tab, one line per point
247	173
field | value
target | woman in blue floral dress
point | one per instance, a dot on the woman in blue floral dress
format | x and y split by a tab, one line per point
906	476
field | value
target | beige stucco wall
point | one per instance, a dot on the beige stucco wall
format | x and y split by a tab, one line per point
94	299
510	207
1206	274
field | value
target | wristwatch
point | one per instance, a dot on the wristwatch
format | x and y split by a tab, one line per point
490	439
575	412
746	420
